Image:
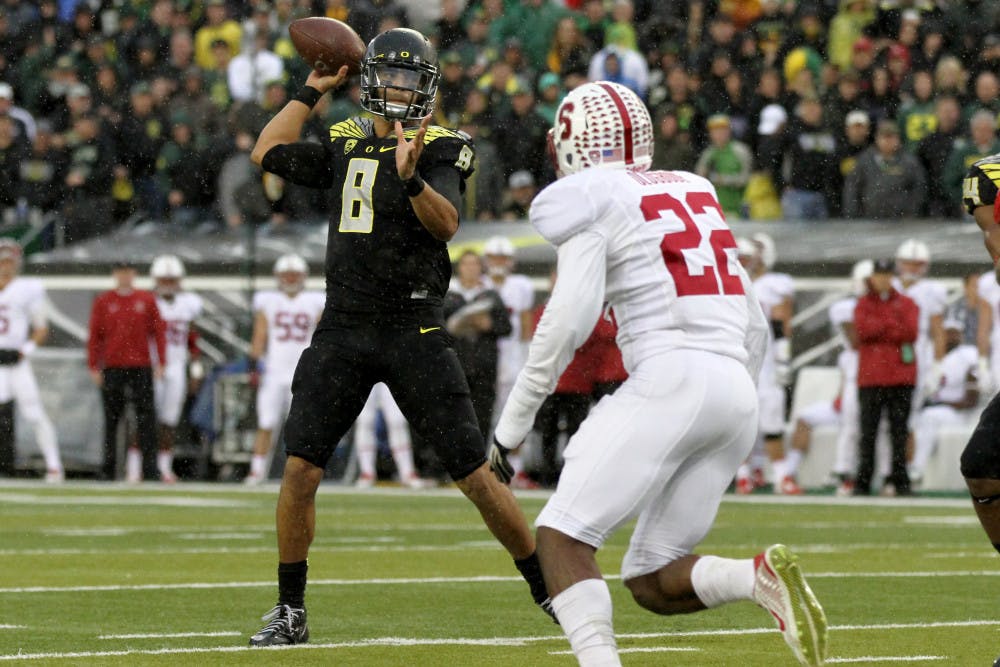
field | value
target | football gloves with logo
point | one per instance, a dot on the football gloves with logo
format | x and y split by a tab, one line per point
499	464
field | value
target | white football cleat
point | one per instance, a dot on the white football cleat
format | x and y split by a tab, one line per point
364	481
418	483
54	476
253	480
781	589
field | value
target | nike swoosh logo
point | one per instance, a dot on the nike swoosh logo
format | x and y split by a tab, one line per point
428	329
384	149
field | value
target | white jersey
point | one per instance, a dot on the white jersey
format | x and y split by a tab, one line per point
178	314
518	295
989	291
22	307
841	313
931	298
291	321
955	369
772	289
656	248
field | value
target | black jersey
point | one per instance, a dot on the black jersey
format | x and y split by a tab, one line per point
981	182
380	260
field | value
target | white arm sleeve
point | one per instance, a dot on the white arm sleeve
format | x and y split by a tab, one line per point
568	320
38	308
758	331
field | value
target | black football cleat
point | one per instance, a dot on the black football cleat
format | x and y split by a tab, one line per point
286	626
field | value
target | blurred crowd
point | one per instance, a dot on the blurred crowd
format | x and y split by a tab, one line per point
795	110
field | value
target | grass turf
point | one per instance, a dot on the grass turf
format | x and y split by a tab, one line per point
112	575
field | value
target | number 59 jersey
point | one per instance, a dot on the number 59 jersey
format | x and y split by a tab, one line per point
291	321
672	275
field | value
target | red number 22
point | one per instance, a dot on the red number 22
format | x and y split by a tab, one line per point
674	244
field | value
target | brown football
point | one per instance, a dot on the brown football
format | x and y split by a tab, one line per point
327	44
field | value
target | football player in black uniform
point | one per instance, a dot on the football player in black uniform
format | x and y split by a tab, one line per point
396	183
981	457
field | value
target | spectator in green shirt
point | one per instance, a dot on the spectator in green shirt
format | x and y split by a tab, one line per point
916	116
533	22
727	163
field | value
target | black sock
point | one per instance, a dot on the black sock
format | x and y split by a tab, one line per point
292	584
531	570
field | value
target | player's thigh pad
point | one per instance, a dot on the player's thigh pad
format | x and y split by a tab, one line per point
330	386
772	407
25	388
981	457
682	414
819	414
429	386
169	393
272	398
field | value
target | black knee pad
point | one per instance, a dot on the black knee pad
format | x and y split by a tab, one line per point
981	457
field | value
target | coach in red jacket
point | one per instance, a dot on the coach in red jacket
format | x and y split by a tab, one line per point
886	326
125	326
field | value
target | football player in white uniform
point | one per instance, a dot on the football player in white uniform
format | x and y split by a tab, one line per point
518	295
398	432
775	291
178	310
23	327
664	447
988	339
843	410
283	324
951	403
913	259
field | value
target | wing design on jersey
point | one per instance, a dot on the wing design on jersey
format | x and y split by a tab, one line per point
981	183
352	128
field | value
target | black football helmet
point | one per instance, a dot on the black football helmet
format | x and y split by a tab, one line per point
399	75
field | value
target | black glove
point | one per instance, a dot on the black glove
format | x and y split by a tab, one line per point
499	464
9	357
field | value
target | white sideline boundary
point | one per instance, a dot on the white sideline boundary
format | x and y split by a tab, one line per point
508	641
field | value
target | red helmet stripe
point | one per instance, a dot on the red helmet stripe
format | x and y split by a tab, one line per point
626	119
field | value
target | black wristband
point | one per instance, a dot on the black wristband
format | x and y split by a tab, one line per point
414	185
308	95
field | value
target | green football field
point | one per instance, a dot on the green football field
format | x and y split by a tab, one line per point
113	575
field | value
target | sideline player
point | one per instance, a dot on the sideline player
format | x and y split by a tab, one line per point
178	309
776	292
518	295
283	323
395	195
981	457
23	327
398	433
655	245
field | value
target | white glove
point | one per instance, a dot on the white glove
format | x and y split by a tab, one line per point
984	377
499	464
932	382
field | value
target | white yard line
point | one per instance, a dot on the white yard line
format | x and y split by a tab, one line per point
210	585
168	635
869	659
505	641
140	551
